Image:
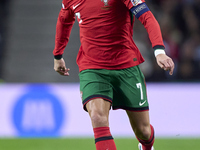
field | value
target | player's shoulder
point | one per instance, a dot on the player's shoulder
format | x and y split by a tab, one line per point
132	3
69	3
137	2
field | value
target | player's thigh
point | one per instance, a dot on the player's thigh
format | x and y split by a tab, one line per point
99	106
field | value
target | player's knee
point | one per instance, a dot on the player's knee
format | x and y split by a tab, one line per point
99	118
143	132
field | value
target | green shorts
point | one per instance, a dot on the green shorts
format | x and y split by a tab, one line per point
124	89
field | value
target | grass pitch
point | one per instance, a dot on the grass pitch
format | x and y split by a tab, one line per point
88	144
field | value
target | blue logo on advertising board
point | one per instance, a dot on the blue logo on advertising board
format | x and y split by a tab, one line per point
38	113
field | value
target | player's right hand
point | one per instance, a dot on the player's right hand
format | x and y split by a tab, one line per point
59	66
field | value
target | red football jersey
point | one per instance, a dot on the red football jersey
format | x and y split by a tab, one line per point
106	30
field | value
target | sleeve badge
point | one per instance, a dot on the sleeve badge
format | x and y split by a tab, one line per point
136	2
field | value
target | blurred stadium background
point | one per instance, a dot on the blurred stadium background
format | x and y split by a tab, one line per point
38	103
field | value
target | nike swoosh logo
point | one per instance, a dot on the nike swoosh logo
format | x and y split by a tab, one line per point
74	7
142	103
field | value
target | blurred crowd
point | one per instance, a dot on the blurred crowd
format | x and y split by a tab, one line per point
180	25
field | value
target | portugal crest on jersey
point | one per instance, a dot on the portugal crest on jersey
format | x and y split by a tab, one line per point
106	5
105	2
136	2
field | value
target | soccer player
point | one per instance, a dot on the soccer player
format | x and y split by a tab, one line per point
108	62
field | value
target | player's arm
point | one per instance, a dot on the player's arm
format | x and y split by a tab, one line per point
64	25
142	13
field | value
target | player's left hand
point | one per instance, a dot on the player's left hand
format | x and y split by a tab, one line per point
165	63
